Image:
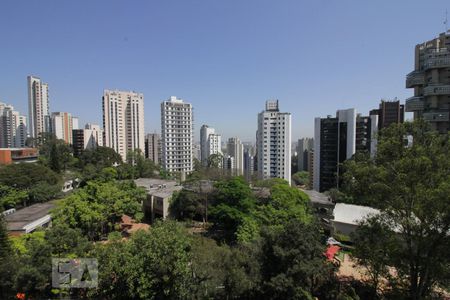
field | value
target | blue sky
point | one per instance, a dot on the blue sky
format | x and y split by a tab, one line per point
225	57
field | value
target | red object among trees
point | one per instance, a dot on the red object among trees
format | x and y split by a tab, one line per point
331	252
20	296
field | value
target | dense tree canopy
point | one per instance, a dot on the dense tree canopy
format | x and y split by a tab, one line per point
293	262
301	178
409	180
54	153
239	215
188	205
98	207
27	184
101	157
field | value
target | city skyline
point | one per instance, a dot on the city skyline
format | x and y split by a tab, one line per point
229	64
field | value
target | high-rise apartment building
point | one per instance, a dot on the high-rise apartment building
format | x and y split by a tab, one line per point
229	163
13	127
250	163
123	121
197	152
273	143
431	82
304	146
62	124
153	147
38	107
88	138
336	140
235	149
210	143
177	129
389	112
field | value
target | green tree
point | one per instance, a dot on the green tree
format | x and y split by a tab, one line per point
7	270
98	207
294	266
10	197
37	181
410	182
215	161
55	153
65	241
100	157
269	183
114	257
144	168
33	266
42	192
233	200
23	176
188	205
372	239
161	263
127	171
301	178
285	203
33	257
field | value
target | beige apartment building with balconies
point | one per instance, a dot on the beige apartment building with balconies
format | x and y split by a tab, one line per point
123	121
431	82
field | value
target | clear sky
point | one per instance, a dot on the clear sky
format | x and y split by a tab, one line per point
226	57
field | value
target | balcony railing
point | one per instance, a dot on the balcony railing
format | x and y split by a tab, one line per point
415	78
438	60
436	116
435	90
437	51
414	104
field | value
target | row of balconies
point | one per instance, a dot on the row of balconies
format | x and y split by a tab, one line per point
414	104
437	58
417	104
415	78
436	116
436	90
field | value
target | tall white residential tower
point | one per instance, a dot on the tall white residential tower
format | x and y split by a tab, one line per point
177	129
273	143
38	107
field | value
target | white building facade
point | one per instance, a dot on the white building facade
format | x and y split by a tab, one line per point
13	127
210	143
62	124
38	107
273	143
123	121
93	136
235	149
177	136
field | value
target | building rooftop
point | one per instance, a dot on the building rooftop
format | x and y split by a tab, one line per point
352	214
158	187
318	198
18	149
25	216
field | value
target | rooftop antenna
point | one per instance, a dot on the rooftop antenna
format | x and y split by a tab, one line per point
446	20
